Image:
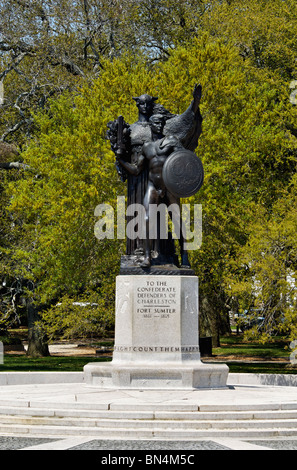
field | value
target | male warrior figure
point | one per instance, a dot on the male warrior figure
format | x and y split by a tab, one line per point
154	154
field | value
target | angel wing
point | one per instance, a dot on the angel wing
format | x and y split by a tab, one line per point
186	127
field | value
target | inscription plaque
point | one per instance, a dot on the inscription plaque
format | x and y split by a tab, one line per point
155	318
156	312
156	299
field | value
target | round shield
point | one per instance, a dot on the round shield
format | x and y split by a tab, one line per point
183	173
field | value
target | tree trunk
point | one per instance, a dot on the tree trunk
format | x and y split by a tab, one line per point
213	318
37	346
209	320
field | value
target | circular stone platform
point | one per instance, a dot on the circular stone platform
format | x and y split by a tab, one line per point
74	409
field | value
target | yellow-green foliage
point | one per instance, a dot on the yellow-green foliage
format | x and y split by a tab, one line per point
244	147
269	261
262	30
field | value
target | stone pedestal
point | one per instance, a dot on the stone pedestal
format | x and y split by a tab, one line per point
156	337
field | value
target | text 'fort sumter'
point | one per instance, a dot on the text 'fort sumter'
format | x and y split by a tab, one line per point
156	299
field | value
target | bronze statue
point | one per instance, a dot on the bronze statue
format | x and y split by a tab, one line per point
141	151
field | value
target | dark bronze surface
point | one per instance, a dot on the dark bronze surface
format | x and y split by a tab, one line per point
155	156
183	173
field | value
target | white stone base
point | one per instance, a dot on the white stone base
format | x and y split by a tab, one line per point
156	338
188	375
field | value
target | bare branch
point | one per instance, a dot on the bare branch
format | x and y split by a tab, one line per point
15	128
12	165
71	66
13	65
38	8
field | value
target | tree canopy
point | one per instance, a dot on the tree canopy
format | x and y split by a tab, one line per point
64	80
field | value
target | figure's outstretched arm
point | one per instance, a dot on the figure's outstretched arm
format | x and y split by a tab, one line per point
197	93
187	126
132	168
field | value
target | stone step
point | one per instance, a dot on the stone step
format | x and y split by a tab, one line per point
228	415
153	424
148	415
139	434
174	421
249	406
148	406
70	412
177	407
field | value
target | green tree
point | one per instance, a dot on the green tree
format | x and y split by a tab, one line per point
248	153
49	47
11	307
264	278
262	30
244	138
244	56
57	250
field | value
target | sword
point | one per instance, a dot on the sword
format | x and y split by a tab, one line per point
120	141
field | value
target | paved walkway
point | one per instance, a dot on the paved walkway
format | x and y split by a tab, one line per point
144	446
237	396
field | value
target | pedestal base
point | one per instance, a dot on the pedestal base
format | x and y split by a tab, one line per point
189	375
156	337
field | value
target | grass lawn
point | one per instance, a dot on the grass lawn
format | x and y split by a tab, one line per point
22	363
255	356
260	368
240	356
234	345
